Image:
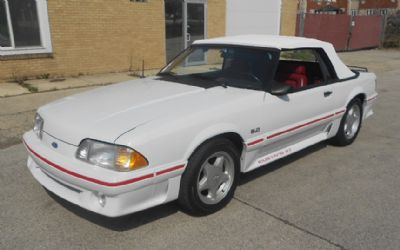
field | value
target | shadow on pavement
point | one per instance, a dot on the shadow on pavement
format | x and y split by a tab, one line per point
138	219
123	223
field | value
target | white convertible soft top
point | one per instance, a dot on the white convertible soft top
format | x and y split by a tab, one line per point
284	42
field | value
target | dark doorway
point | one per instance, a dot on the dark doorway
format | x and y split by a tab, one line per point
185	22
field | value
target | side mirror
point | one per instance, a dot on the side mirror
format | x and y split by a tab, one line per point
280	88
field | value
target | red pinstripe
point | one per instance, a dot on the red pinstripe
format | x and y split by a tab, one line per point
170	170
103	183
340	112
255	142
299	126
372	98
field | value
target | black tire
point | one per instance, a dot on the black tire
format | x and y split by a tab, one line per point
341	139
189	197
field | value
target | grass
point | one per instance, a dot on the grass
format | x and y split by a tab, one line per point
43	76
57	80
29	87
18	79
21	81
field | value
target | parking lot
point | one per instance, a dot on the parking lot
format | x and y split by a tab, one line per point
324	197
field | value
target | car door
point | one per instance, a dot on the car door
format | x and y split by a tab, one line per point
303	115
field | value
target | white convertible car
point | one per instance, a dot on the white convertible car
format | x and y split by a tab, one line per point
222	107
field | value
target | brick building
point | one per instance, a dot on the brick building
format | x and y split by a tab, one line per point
327	6
289	11
74	37
378	4
377	7
353	7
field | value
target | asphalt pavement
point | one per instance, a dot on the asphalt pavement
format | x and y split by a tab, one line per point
324	197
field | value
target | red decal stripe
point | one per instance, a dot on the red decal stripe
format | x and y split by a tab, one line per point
299	126
340	112
103	183
170	170
255	142
372	98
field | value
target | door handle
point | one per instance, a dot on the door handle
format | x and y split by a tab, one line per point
327	93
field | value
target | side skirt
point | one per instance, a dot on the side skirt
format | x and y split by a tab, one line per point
283	152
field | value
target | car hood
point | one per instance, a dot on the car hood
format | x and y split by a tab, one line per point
107	112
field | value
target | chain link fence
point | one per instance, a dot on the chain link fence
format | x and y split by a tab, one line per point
391	36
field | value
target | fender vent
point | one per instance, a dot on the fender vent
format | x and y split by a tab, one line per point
328	129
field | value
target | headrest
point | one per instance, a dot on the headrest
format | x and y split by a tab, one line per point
300	69
291	68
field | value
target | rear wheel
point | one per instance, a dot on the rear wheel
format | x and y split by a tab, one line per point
350	124
210	179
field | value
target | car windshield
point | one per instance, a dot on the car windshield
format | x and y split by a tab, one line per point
209	66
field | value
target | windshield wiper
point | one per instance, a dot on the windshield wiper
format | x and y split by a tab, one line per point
219	81
222	82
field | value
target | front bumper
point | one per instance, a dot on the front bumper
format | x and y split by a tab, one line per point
100	190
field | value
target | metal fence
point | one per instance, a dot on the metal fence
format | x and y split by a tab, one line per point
326	27
345	32
392	30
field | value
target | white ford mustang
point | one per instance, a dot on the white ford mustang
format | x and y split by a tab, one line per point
223	106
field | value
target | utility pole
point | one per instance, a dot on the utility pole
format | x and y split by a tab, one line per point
302	16
349	5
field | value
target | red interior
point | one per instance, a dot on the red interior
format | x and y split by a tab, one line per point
293	75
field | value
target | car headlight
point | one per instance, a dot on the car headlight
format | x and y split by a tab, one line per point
38	125
110	156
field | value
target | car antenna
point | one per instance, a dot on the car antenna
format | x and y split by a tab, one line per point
222	83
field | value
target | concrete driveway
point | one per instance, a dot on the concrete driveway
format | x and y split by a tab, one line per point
324	197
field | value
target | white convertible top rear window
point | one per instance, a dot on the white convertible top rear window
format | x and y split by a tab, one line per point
285	42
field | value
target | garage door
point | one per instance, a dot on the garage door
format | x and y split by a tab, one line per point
253	17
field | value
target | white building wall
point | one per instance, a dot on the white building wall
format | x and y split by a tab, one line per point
253	17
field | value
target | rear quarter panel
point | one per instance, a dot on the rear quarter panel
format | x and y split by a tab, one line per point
346	90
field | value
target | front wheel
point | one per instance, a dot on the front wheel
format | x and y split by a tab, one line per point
210	179
350	124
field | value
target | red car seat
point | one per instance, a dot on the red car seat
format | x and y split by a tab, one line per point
293	75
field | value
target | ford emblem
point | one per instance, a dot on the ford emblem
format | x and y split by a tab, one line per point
54	144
